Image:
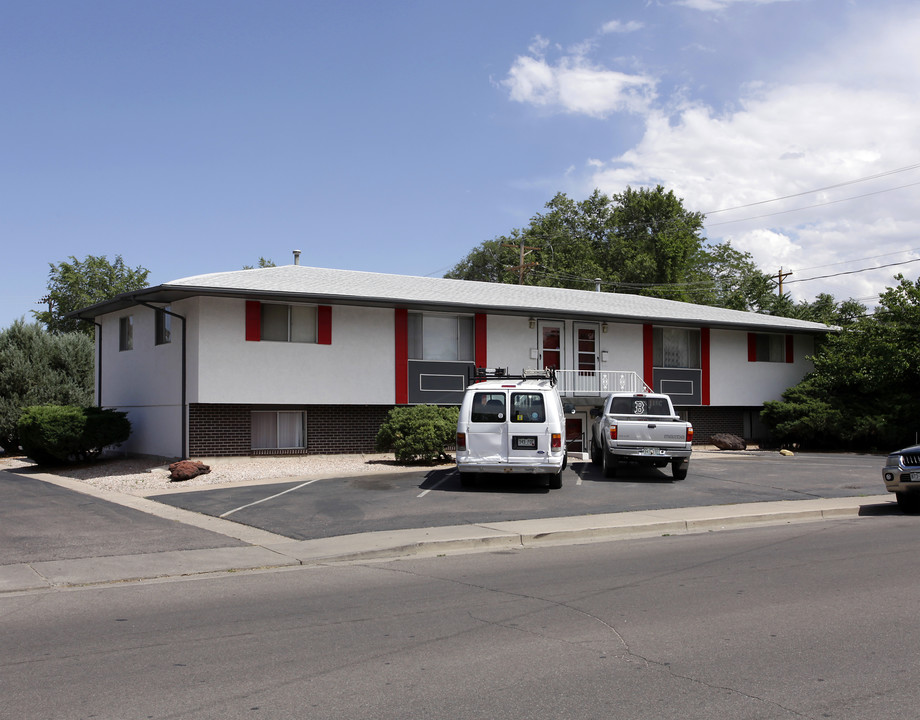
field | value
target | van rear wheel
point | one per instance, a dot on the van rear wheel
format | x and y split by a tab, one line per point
555	481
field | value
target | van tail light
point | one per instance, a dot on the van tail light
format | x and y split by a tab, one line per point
689	433
461	441
556	441
613	432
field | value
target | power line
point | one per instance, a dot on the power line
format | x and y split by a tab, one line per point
809	207
810	192
853	272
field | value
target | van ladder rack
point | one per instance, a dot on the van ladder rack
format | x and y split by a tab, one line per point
479	374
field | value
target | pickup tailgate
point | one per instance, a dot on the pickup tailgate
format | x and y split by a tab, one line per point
655	433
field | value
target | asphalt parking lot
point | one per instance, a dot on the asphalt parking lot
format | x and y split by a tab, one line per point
342	506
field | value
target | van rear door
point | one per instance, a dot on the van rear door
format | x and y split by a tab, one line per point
528	435
487	432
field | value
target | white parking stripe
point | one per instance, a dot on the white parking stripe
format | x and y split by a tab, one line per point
243	507
423	493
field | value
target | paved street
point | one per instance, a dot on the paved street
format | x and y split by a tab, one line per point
343	506
796	621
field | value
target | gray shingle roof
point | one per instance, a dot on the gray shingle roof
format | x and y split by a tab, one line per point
367	288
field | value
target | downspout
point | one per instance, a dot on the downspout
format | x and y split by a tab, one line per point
184	373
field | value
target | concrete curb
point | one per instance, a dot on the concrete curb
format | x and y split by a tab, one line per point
518	534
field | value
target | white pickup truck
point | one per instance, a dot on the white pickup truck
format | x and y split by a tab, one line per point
641	428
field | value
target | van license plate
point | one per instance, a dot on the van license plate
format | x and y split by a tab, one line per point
524	443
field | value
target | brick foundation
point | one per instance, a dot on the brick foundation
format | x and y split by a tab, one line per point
226	430
740	421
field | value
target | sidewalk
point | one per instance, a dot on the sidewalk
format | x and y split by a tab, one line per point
263	550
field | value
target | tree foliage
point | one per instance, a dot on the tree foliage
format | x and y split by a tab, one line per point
80	283
862	392
263	263
38	368
643	242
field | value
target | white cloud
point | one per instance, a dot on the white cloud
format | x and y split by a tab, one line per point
575	85
618	26
714	5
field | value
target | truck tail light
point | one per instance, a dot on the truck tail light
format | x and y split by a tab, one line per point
689	433
461	441
613	432
556	441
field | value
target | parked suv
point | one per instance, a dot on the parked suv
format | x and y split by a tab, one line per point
512	424
902	477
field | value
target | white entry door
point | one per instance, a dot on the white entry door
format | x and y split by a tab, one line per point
586	358
552	351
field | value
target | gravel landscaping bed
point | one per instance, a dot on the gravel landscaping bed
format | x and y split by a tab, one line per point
139	476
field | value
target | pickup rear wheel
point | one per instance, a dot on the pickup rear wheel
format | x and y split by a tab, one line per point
595	454
610	463
679	469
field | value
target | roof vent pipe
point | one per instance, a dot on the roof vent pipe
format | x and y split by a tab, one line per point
597	284
297	257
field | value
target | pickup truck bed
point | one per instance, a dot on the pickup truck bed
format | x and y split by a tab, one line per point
640	428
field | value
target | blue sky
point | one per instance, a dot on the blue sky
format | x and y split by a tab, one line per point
197	136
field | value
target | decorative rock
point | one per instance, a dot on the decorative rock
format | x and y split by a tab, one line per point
187	469
787	453
726	441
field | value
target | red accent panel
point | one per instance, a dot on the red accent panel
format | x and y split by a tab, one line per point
324	325
253	320
790	349
752	347
481	340
402	356
704	363
648	355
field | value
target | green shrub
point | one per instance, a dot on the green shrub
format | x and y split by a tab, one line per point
57	434
418	432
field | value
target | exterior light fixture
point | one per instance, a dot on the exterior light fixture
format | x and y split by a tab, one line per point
532	323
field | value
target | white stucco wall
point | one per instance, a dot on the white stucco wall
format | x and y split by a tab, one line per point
357	368
145	382
736	382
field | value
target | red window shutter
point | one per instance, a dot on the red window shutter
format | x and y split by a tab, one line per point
402	356
752	347
253	320
790	349
481	348
648	355
324	325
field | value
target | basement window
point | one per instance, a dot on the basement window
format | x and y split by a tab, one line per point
278	430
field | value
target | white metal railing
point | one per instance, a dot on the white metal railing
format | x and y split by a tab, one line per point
594	383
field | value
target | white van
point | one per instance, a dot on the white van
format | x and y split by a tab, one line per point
512	424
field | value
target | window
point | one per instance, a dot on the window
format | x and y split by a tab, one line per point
288	323
488	407
277	430
676	348
764	347
527	408
126	333
440	337
163	327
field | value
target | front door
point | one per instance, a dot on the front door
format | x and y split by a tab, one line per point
551	350
586	355
574	435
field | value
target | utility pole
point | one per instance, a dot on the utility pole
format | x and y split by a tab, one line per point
522	266
779	277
